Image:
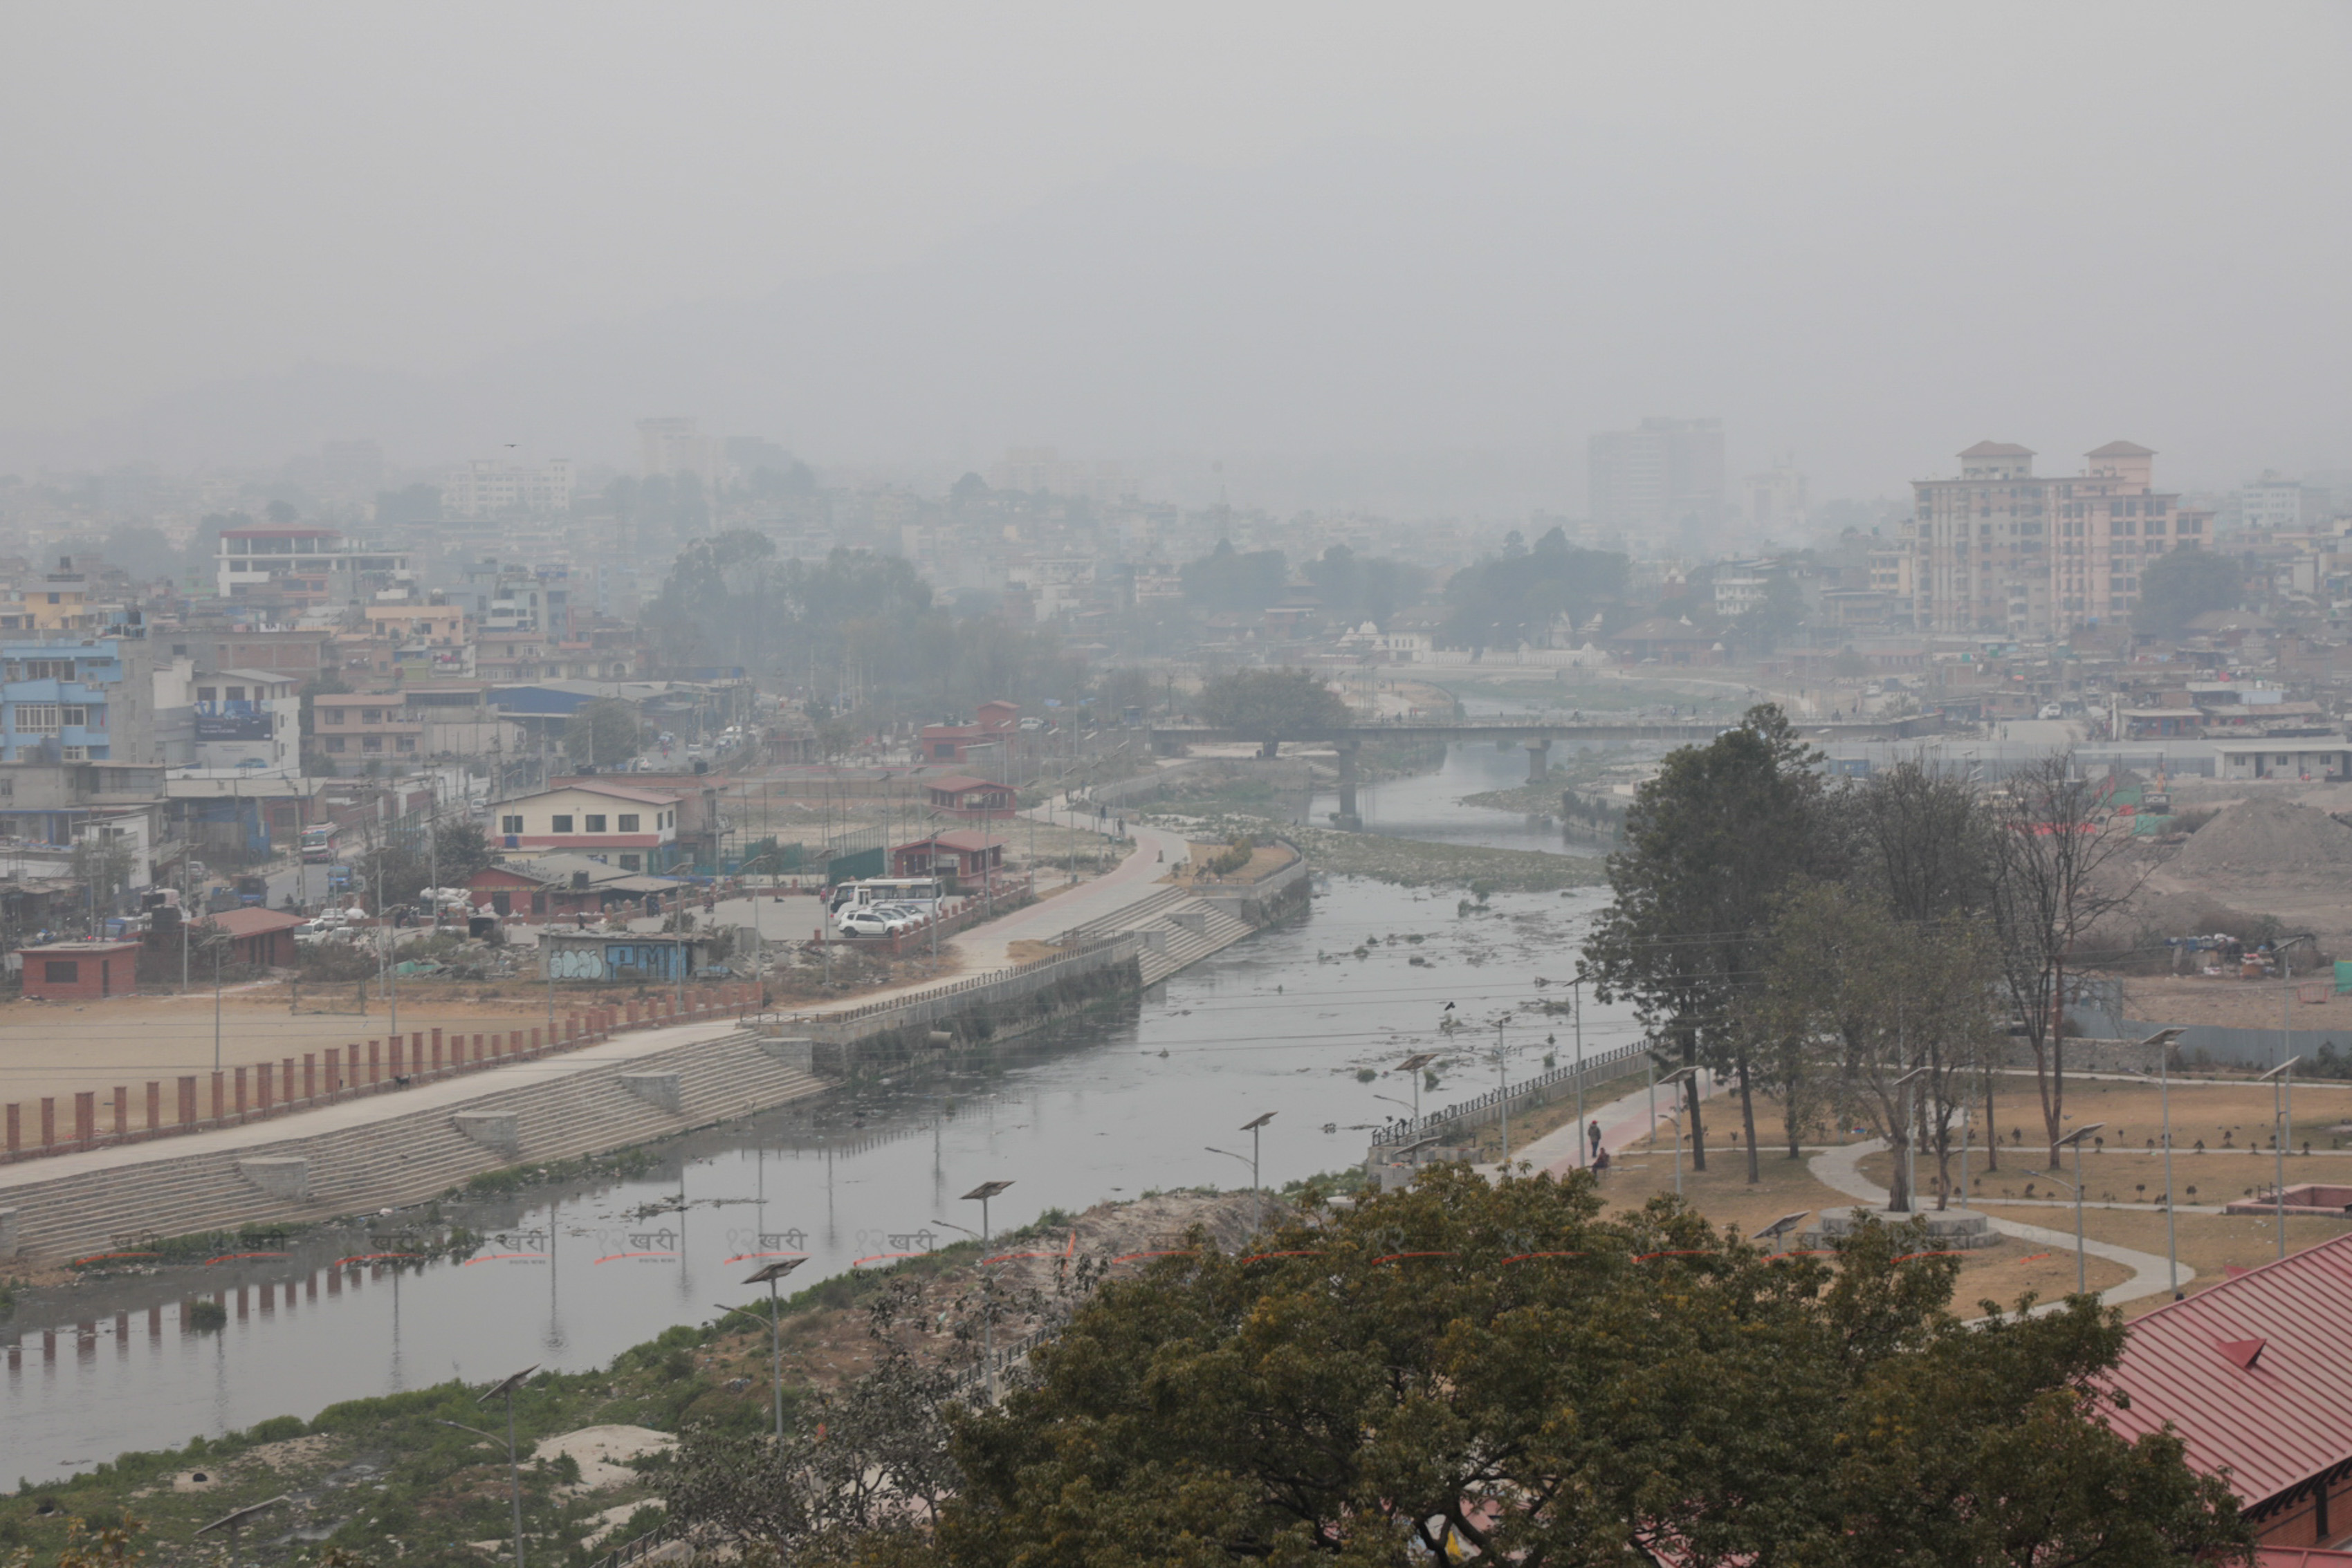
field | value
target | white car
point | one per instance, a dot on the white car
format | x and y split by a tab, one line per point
868	921
2051	710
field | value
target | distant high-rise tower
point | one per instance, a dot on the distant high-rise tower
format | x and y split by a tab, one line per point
1777	506
676	445
1666	477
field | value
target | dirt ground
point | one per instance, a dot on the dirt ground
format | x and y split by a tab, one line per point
2238	1004
55	1048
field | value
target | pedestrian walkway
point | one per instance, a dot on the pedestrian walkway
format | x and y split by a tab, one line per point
1839	1169
1625	1120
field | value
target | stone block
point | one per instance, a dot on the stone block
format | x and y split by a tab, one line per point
494	1130
793	1052
285	1177
1948	1231
656	1089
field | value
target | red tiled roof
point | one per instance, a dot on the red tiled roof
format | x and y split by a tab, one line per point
617	792
2121	449
2252	1371
251	921
956	783
2000	449
2300	1557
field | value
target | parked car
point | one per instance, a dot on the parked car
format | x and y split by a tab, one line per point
2052	710
866	920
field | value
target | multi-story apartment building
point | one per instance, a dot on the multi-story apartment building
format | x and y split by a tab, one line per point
299	563
62	601
1666	477
247	717
89	700
493	487
2273	504
360	727
2001	550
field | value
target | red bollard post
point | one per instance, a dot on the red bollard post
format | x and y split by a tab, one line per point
436	1053
121	1111
375	1065
220	1097
395	1056
187	1095
85	1117
262	1077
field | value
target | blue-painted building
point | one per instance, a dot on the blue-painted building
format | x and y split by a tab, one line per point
72	698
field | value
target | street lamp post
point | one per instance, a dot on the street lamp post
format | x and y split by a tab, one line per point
1678	1077
767	1275
2162	1040
1416	1065
505	1387
2082	1280
1910	1141
2280	1077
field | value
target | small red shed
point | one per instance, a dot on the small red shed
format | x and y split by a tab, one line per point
261	937
966	854
974	799
81	971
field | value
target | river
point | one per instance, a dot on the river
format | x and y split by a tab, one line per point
1104	1107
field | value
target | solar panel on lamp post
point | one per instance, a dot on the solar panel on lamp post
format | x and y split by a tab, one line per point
981	1195
767	1275
1415	1065
2283	1128
1254	1127
506	1387
1783	1225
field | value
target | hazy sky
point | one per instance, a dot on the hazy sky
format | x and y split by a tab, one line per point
1865	234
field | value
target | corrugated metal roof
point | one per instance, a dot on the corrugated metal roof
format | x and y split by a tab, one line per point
2272	1417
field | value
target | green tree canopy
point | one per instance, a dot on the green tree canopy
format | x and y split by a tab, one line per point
1225	579
1355	589
2176	589
1272	705
1465	1368
603	733
1712	845
1507	600
411	860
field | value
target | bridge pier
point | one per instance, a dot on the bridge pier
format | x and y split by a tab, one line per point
1538	759
1346	816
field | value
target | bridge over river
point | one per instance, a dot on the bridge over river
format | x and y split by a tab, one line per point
1534	735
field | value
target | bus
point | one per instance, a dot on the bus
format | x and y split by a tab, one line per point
319	844
923	891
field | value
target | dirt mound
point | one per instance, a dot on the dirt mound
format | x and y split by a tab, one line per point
2268	837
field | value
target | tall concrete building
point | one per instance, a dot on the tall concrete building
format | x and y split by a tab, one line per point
2001	550
492	487
1662	480
675	444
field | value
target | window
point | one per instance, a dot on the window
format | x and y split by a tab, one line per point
332	715
208	694
562	824
371	743
510	824
236	693
407	743
596	822
36	718
629	863
76	753
67	971
370	716
73	718
629	820
334	742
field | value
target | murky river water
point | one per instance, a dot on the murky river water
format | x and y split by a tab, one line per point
1106	1107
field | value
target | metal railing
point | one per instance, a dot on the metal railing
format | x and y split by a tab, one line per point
1408	1129
630	1551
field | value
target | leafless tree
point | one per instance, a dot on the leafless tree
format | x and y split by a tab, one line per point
2056	871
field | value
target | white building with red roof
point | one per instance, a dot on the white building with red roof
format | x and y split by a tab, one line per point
630	828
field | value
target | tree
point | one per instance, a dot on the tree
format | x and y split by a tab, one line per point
1227	578
1924	843
1492	1370
406	865
1272	705
1503	601
2055	872
1891	999
1355	589
601	733
2177	587
1711	845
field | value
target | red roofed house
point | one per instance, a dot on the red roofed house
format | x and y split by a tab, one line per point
2254	1375
992	725
966	854
261	937
81	971
974	799
635	830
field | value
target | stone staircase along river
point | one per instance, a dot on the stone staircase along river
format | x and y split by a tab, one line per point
573	1109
